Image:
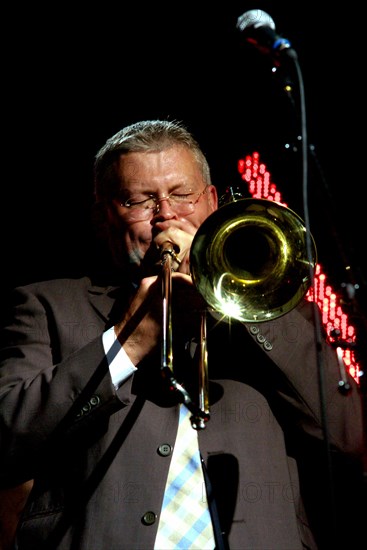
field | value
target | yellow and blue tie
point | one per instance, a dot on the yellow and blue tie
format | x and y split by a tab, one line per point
185	521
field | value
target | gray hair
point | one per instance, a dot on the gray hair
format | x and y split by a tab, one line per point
147	135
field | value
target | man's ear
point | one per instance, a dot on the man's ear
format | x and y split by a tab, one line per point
213	197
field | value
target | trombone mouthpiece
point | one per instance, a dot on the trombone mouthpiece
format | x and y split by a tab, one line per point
171	250
167	248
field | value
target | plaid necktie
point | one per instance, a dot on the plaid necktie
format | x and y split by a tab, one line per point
185	521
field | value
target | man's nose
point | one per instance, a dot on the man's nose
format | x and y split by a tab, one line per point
163	206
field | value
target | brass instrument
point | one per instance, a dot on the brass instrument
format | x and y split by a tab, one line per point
249	262
200	412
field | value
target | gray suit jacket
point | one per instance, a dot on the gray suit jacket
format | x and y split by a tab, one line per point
100	457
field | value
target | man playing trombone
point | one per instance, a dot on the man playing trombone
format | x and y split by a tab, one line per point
89	414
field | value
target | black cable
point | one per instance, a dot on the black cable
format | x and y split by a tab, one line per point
316	312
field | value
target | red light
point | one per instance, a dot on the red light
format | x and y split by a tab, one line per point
333	317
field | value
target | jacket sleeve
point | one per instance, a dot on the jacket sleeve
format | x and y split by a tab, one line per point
310	378
54	379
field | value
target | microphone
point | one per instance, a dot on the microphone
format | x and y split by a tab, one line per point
259	29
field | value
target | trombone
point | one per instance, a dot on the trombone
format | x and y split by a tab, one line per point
249	262
200	411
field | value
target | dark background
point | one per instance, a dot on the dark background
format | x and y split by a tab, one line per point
73	75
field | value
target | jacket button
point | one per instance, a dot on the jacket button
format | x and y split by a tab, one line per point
254	329
260	338
149	518
94	400
164	450
268	345
86	408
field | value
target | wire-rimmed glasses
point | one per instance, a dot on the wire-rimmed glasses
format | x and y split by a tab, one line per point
142	207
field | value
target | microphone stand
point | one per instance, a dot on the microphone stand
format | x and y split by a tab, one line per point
345	481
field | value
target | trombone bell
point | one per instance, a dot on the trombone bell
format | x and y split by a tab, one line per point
248	260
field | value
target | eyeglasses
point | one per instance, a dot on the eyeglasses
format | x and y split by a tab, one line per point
142	207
